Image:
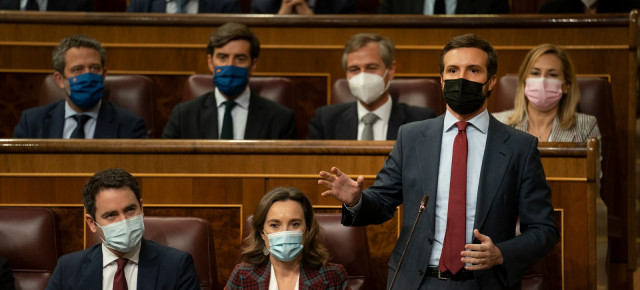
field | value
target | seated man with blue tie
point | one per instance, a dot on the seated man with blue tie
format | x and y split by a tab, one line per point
232	110
78	63
184	6
124	259
370	64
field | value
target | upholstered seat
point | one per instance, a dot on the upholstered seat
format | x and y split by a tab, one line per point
190	234
29	241
348	246
419	92
130	92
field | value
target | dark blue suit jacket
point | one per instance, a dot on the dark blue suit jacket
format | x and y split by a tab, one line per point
340	121
48	122
198	119
204	6
512	184
322	6
159	267
463	7
53	5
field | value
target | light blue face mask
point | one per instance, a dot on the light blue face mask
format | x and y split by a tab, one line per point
286	245
124	235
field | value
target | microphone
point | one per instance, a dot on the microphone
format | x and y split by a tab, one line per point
423	205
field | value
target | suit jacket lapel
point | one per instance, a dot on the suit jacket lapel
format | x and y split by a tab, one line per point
147	266
255	118
347	127
10	5
92	269
105	125
494	164
311	279
208	125
54	121
158	6
396	119
427	147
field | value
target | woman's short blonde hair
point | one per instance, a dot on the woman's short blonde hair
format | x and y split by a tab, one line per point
569	101
314	254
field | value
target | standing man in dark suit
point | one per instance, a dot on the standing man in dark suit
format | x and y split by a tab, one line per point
47	5
370	64
124	259
78	63
480	176
429	7
304	7
184	6
231	111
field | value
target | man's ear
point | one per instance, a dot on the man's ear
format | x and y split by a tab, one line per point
59	78
90	223
210	62
492	82
253	65
392	70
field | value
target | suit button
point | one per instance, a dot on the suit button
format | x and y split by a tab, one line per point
420	272
430	240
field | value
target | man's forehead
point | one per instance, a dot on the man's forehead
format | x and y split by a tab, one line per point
238	46
466	56
368	54
108	199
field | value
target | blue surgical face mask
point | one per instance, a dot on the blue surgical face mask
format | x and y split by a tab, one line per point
86	90
286	245
124	235
231	80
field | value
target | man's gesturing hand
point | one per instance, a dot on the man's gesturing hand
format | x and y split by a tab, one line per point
341	187
481	256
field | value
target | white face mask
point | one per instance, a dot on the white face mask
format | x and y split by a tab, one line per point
124	235
367	87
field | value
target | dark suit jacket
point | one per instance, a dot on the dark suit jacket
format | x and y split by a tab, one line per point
204	6
198	119
48	122
53	5
512	185
159	267
576	6
463	7
247	277
6	275
340	121
322	6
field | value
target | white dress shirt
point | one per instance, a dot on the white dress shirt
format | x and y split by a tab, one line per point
70	123
41	3
449	6
109	268
239	113
172	7
476	140
381	126
273	283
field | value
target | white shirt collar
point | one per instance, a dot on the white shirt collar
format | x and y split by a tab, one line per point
242	100
93	113
480	121
383	112
109	257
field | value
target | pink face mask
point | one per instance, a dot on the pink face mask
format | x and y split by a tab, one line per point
543	93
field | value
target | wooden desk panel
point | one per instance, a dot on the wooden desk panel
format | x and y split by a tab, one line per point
200	173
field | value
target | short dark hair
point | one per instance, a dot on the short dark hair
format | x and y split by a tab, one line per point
109	178
233	31
358	41
75	41
472	40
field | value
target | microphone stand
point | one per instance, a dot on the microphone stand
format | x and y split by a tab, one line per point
423	205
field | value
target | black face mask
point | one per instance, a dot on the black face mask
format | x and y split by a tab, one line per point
464	96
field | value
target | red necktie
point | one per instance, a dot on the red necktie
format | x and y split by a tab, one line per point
119	281
454	238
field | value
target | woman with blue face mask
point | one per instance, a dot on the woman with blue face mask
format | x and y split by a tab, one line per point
547	98
283	250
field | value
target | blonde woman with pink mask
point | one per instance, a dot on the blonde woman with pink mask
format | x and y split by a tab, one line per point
547	97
